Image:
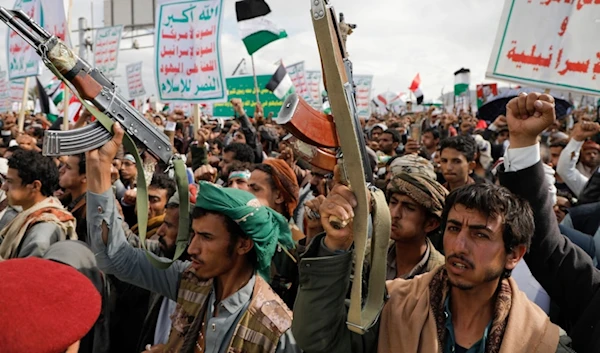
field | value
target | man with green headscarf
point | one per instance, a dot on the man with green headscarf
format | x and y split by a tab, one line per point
223	302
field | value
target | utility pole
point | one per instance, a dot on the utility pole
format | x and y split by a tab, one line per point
82	26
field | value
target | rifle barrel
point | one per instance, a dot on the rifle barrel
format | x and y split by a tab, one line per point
25	27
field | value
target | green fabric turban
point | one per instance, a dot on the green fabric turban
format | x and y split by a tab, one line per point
260	223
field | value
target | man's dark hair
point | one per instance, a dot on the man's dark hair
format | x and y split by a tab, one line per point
81	163
434	132
162	181
38	132
463	144
559	143
242	152
394	125
179	126
217	142
395	135
493	200
32	166
234	230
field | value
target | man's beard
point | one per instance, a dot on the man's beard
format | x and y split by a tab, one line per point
168	252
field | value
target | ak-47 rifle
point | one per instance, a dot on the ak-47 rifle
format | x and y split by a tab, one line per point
353	159
91	85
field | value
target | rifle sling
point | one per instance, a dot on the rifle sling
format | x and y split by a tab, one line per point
141	200
360	317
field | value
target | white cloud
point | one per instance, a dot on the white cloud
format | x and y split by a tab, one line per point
395	40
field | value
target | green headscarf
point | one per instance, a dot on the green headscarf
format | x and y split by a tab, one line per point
260	223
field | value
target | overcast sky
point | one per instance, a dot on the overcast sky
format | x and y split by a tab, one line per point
395	40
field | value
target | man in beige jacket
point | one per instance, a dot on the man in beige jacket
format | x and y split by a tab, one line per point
470	304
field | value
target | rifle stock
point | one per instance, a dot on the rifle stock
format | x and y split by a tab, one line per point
307	124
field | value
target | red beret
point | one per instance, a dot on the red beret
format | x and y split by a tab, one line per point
45	306
589	145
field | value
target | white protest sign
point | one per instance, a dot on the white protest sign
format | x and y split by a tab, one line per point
556	48
313	82
363	94
5	103
16	90
55	19
186	108
106	49
188	62
298	76
23	61
134	80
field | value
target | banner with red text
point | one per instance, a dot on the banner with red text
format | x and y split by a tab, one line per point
135	83
55	19
363	85
23	61
188	62
556	48
106	49
298	75
313	81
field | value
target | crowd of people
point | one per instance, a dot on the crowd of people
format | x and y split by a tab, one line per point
495	238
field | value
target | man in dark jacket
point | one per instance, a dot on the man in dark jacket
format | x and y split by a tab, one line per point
565	271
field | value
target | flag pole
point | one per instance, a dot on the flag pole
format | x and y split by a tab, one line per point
255	80
21	120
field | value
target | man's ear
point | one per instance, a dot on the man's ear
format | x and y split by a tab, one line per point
244	246
279	199
37	185
431	224
513	257
472	165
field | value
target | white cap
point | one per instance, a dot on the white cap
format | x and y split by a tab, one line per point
13	143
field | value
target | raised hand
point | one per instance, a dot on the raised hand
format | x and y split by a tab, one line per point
527	116
99	162
584	130
339	203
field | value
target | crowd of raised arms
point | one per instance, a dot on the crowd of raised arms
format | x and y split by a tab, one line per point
495	238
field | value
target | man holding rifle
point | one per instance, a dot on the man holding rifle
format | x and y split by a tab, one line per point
223	300
470	304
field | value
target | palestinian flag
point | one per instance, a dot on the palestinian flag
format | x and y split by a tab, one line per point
46	105
281	83
414	87
462	79
255	29
56	91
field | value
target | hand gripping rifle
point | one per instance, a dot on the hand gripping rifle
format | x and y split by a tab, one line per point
356	170
89	84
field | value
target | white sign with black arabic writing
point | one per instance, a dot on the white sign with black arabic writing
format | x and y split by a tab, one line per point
555	48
